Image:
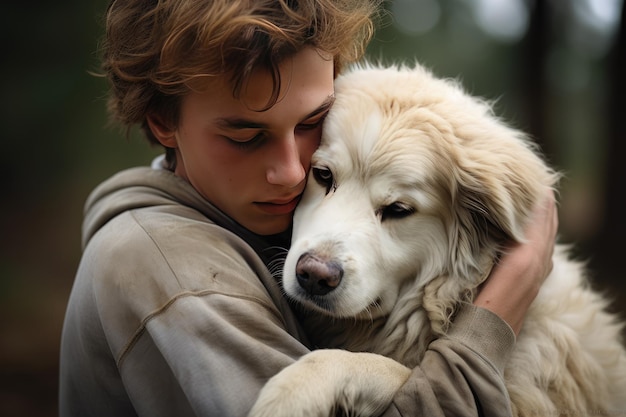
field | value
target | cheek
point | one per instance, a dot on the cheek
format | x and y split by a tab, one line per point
307	145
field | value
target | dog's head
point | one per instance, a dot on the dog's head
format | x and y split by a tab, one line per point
414	179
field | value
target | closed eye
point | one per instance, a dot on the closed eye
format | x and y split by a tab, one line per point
312	124
394	211
247	143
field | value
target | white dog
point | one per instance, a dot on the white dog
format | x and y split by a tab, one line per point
413	190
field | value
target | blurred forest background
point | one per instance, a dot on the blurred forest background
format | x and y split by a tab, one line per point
557	68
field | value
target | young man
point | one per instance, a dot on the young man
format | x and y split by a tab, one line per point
174	310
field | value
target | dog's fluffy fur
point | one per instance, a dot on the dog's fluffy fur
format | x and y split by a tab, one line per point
414	189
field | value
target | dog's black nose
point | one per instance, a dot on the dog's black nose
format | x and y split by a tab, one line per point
318	277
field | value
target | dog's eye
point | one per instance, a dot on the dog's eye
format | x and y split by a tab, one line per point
395	210
324	177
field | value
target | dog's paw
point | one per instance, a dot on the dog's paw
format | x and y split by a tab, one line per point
296	391
328	380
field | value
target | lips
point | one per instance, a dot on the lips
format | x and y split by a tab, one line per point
279	206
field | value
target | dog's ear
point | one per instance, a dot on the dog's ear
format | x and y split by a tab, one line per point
498	181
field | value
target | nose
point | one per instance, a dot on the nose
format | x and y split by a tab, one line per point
286	168
318	277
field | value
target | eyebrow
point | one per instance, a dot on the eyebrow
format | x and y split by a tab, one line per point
240	123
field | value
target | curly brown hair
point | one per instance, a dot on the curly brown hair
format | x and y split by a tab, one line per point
155	50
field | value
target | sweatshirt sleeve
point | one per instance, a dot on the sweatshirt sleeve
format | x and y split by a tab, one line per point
461	374
191	328
206	355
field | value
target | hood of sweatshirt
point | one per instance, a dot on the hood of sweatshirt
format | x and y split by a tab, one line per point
148	187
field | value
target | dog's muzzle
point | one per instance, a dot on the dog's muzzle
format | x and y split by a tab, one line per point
316	276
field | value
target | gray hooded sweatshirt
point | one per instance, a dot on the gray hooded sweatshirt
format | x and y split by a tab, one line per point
174	312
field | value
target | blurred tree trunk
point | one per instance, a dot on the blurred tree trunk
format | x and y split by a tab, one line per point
608	247
535	50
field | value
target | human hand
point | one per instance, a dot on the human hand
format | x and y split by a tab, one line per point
515	280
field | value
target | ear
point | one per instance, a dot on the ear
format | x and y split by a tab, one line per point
499	179
162	131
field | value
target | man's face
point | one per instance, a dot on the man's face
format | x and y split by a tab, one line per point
253	164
